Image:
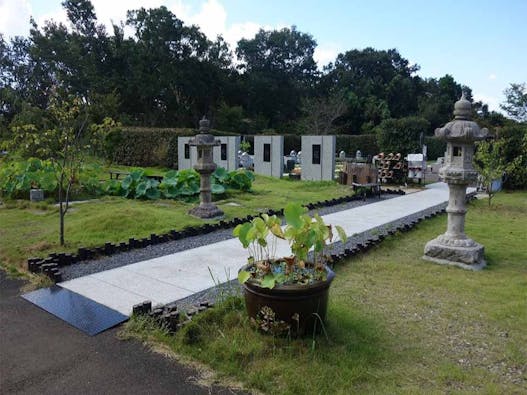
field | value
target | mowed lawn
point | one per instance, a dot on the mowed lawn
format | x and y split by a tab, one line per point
28	230
396	325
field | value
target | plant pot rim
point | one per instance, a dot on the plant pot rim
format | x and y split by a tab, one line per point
291	288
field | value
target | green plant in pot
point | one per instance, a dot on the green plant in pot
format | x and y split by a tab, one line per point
288	293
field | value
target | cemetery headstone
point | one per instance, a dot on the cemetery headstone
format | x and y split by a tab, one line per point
226	154
269	155
187	155
318	157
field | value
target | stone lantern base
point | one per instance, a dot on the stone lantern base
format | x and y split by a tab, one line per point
206	211
464	253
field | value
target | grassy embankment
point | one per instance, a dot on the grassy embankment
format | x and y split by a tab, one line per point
28	230
396	324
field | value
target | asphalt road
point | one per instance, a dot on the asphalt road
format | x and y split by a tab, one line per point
41	354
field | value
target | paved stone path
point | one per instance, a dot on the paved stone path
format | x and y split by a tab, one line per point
169	278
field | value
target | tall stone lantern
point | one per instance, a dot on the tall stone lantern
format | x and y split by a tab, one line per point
205	166
454	247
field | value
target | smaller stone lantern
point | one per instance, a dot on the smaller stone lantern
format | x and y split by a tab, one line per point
204	142
454	247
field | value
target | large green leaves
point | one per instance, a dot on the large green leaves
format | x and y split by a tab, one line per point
293	214
178	184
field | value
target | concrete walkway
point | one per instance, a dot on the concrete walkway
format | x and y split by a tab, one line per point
169	278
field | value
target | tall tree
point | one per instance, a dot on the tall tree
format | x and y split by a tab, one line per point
380	84
516	102
278	69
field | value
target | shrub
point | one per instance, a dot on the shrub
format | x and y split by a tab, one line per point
177	184
18	177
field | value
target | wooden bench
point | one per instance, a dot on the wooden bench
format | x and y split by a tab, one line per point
118	173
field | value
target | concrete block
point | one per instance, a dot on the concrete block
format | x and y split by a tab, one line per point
187	156
318	158
269	155
226	154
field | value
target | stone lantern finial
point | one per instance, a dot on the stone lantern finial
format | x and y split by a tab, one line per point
204	125
463	109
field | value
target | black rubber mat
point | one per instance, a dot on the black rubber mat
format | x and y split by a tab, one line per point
82	313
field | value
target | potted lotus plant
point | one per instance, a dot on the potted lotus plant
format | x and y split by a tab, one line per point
287	293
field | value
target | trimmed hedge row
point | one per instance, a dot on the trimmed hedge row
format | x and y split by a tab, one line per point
134	146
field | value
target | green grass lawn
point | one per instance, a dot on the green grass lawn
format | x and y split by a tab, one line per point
28	230
396	323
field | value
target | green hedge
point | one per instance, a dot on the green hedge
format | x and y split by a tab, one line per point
133	146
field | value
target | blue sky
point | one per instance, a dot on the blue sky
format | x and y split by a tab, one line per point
483	44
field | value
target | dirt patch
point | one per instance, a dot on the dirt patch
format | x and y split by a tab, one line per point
39	246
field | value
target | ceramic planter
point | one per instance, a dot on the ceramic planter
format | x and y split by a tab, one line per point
308	301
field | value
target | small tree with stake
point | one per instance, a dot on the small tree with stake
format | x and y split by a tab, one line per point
65	144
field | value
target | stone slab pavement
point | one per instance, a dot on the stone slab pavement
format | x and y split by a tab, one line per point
42	355
169	278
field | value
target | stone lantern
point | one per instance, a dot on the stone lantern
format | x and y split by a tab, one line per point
205	166
454	247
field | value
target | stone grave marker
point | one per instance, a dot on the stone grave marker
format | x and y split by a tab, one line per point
318	158
269	155
187	156
226	154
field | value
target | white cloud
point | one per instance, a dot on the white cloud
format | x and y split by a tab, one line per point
59	16
325	54
492	101
14	17
492	76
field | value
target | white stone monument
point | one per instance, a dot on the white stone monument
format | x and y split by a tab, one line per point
454	247
269	155
226	154
318	158
187	155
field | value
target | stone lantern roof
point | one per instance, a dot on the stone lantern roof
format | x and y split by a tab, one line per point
462	129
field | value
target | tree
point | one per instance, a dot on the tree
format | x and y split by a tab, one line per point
516	102
380	84
320	113
278	69
488	161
